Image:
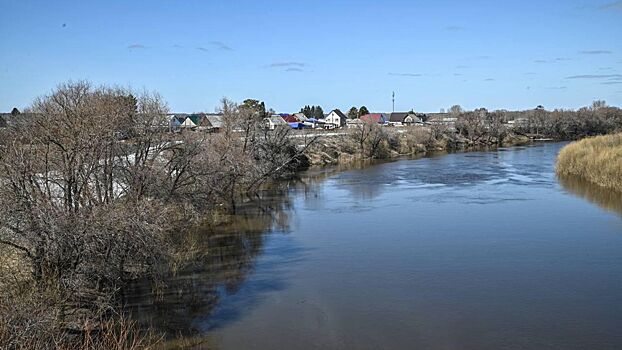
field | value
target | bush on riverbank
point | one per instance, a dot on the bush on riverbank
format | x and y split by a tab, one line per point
372	141
95	192
598	160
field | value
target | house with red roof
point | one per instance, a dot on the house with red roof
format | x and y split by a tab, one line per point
379	118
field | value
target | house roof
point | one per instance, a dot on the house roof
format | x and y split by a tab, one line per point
196	118
340	113
215	120
277	119
301	117
374	117
400	116
291	119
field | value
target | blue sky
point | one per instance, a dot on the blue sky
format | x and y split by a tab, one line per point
433	54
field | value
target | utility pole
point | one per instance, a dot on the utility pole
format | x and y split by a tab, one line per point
393	102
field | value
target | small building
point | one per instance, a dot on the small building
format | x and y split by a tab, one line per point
273	122
190	122
215	122
441	119
301	117
405	118
290	118
379	118
175	122
352	123
336	118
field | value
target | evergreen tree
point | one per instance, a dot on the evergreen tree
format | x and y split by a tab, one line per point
363	110
312	112
318	113
15	111
353	113
306	110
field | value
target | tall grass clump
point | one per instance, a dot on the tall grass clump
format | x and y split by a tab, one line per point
597	159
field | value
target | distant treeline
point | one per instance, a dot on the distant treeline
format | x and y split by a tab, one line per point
558	124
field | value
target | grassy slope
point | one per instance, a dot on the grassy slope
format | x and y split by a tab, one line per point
597	159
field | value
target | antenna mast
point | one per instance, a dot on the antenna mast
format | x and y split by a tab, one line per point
393	101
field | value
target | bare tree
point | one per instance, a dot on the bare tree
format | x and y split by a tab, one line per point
369	136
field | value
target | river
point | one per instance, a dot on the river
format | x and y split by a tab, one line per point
478	250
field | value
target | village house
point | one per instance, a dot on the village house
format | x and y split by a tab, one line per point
297	121
336	118
404	118
290	118
441	119
274	122
213	122
379	118
300	117
175	121
352	123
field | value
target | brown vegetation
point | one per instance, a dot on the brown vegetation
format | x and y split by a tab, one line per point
94	191
597	159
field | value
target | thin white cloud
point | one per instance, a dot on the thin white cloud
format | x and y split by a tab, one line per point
595	76
612	6
595	52
221	46
286	64
406	74
136	46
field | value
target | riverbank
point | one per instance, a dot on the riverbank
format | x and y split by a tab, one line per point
389	143
597	159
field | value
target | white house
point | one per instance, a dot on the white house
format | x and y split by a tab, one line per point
274	122
336	118
188	123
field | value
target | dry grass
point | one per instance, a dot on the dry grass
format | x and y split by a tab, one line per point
29	317
117	333
597	159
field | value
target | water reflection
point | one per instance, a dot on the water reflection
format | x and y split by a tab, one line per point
603	197
215	261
